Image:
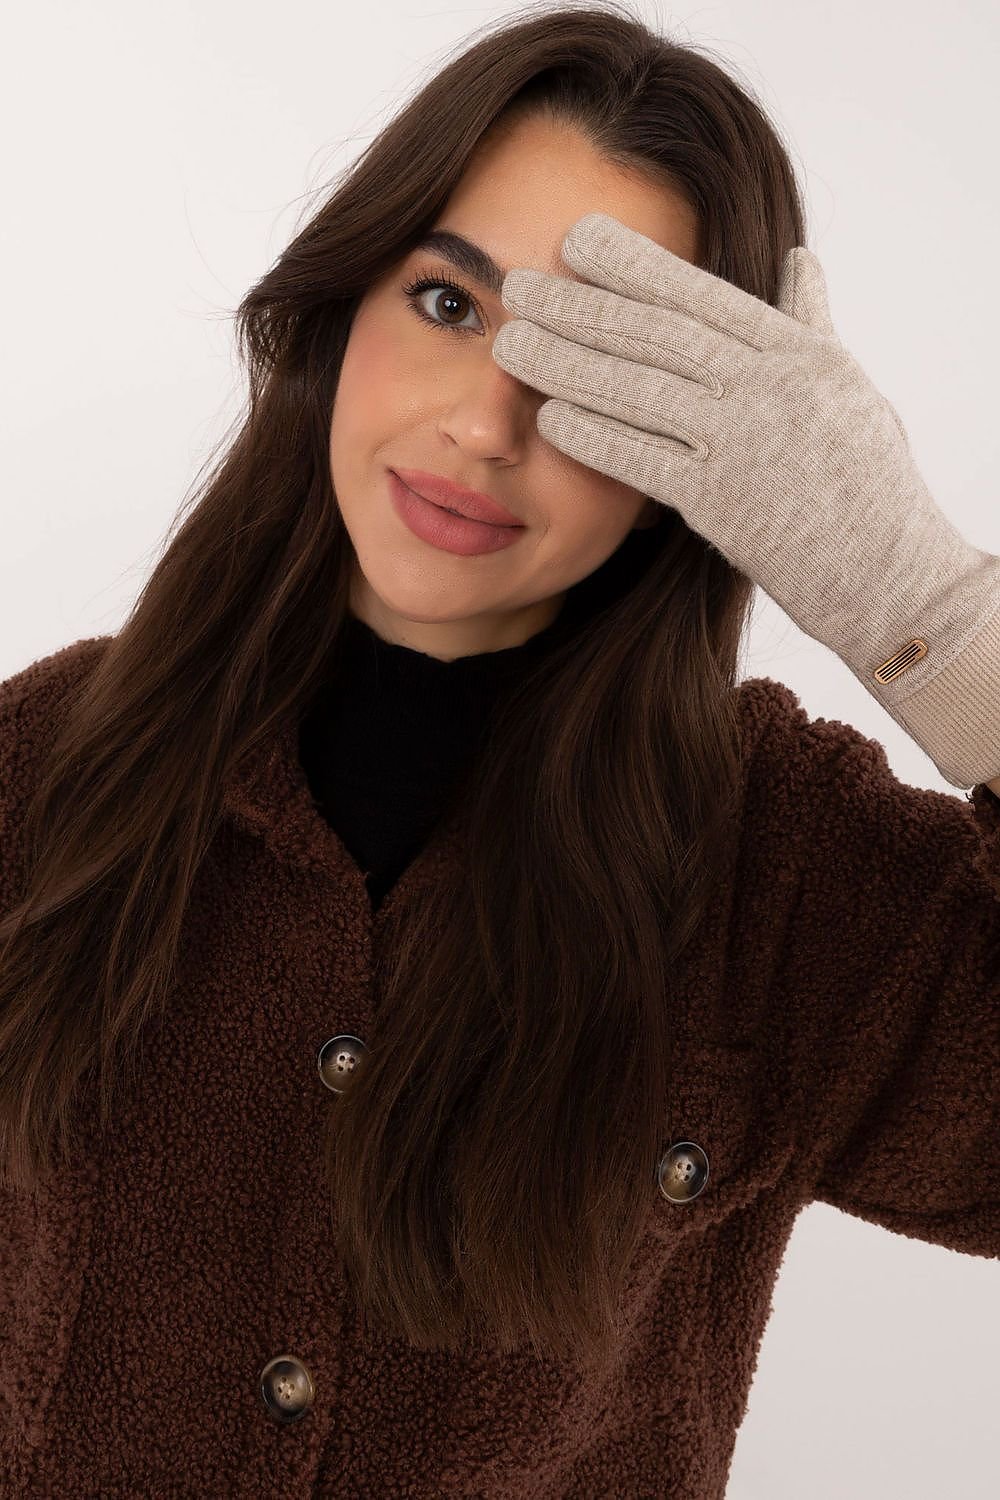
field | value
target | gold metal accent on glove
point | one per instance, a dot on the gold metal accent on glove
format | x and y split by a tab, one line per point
898	663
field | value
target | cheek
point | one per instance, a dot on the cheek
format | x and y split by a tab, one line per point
363	374
374	395
585	526
595	513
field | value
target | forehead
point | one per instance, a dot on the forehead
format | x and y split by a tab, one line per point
523	189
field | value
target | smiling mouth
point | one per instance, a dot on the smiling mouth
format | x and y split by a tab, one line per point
438	485
449	512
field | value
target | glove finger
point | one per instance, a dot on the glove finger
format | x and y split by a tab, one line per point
654	401
651	463
610	254
802	291
665	337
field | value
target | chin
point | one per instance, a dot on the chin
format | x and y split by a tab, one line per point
416	605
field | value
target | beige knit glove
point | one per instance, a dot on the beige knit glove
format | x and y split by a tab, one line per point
757	425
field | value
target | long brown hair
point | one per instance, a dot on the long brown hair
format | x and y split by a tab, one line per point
493	1183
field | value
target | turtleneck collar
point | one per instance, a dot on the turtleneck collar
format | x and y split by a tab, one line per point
360	638
409	716
391	729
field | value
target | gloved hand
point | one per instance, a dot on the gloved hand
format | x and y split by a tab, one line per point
757	425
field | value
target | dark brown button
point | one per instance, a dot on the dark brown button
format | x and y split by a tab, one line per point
683	1172
338	1059
286	1388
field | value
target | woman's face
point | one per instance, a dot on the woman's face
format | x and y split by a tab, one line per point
424	392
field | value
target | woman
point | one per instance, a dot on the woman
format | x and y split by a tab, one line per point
422	958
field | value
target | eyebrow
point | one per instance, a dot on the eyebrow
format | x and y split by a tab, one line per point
465	255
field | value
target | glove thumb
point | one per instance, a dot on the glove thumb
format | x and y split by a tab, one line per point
802	290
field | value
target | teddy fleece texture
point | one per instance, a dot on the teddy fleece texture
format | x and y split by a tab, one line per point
836	1040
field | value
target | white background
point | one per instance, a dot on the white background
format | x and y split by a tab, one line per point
155	162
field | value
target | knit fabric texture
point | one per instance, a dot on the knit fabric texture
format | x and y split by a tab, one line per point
756	424
836	1041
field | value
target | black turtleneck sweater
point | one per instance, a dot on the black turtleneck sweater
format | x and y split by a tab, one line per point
385	739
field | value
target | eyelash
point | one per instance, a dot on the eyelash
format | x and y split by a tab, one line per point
423	283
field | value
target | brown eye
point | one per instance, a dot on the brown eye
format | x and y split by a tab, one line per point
448	302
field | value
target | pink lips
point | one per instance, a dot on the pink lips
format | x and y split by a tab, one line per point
439	528
444	492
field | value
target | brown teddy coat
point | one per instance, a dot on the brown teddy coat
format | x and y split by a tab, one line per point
172	1319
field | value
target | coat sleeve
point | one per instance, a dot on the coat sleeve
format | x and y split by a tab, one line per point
894	989
31	705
